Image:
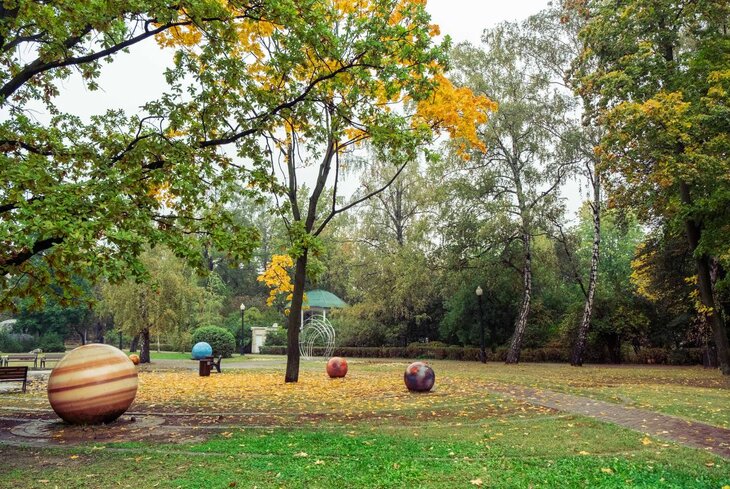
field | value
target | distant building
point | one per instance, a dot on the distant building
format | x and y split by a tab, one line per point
316	301
320	301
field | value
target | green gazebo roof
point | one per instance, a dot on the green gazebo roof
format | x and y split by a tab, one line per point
322	298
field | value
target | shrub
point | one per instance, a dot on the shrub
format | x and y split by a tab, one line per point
661	356
8	344
182	341
18	343
220	339
51	342
276	337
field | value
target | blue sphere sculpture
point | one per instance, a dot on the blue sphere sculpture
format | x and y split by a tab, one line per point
202	350
419	377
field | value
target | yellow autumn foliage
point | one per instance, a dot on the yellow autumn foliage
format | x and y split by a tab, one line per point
277	277
641	274
458	111
362	393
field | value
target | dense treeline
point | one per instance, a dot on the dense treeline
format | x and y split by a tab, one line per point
626	101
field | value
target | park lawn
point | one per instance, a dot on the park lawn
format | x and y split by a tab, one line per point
175	355
542	451
692	393
367	431
160	355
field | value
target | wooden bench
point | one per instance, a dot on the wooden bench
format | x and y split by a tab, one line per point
22	357
14	374
51	357
216	363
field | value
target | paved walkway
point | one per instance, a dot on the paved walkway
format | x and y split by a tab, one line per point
699	435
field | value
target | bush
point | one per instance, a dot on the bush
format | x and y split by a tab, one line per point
8	344
220	339
276	337
682	356
51	342
17	343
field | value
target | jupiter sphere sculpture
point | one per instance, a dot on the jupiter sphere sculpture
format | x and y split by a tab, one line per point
92	384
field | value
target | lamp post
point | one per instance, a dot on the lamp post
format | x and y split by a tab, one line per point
243	308
482	351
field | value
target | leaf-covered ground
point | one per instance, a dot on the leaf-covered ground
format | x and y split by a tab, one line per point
247	428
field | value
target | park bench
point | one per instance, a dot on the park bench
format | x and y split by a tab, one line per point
216	362
51	357
14	374
21	357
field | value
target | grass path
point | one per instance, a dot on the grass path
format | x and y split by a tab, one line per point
694	434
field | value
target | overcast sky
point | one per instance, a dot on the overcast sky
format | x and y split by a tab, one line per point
464	20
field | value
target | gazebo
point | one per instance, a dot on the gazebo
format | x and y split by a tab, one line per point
320	301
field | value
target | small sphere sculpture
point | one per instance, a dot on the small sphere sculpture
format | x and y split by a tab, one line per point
337	367
419	377
92	384
202	350
135	358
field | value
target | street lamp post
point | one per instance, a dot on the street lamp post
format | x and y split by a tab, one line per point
482	350
243	308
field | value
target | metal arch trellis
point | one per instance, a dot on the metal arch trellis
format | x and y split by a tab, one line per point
316	331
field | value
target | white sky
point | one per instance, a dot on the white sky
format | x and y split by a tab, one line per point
464	20
136	78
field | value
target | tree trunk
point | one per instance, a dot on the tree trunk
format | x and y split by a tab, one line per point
294	320
579	348
144	352
134	344
513	356
704	284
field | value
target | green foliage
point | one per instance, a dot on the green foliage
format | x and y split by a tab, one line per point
54	319
82	197
167	304
232	323
220	339
277	337
51	342
9	344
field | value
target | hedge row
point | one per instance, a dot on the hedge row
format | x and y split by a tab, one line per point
659	356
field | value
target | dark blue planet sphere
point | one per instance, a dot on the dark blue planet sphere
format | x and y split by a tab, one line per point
419	377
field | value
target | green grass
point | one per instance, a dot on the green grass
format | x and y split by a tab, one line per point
544	452
174	355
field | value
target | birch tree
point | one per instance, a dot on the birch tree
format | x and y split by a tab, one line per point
523	166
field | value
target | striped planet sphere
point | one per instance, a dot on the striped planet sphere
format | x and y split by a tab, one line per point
92	384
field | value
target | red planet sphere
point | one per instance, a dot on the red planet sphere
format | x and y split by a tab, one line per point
135	358
337	367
